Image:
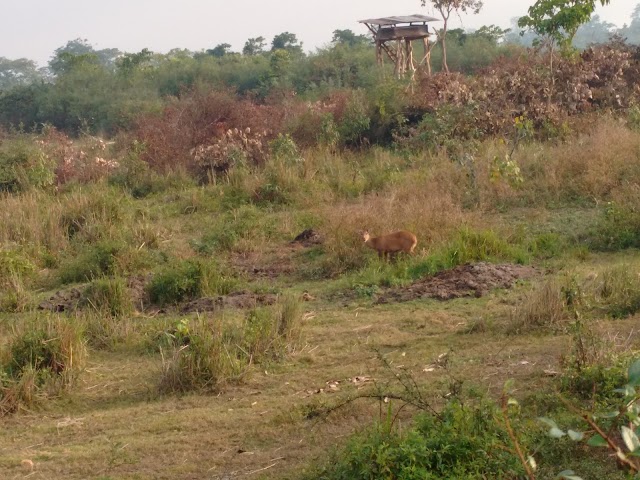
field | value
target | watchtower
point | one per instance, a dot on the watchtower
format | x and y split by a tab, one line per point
395	35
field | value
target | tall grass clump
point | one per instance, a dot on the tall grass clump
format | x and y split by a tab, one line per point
463	441
618	226
269	333
207	353
109	296
203	359
467	246
188	279
422	205
543	308
42	357
16	273
617	291
24	165
92	262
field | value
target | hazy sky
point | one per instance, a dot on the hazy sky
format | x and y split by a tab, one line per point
35	28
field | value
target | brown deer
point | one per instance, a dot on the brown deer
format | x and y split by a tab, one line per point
392	243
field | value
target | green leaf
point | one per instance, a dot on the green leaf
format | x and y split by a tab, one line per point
634	373
597	441
575	436
630	438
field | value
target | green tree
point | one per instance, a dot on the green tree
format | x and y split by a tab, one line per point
286	41
129	62
63	55
220	50
17	72
632	31
446	8
347	37
559	20
254	46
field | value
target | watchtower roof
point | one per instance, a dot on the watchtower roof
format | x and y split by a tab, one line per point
388	21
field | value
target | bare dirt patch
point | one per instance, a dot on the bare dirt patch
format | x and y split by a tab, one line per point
241	299
277	261
470	280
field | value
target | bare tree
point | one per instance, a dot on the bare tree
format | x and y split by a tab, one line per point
446	8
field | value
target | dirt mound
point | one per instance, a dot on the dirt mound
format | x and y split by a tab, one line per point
241	299
308	238
63	301
462	281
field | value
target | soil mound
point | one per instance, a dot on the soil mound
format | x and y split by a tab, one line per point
462	281
241	299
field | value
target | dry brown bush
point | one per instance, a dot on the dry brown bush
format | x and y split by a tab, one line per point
200	118
589	167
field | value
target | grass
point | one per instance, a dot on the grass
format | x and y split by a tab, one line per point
278	384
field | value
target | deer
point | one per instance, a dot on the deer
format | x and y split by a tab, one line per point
391	244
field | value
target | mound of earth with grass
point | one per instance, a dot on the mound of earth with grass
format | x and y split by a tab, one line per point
470	280
240	299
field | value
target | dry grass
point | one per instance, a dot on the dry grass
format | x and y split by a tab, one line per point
541	309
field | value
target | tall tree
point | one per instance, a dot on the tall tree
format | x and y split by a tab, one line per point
254	46
17	72
286	41
347	37
559	20
220	50
446	8
60	60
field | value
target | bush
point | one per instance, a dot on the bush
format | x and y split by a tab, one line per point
271	332
188	279
44	356
15	273
109	296
94	261
24	165
203	360
206	354
470	246
464	441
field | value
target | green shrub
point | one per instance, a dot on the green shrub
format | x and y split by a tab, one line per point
471	246
189	279
109	296
92	262
16	272
464	441
617	228
24	165
43	356
203	359
618	291
271	332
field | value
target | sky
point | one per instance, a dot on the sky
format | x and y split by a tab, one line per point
34	29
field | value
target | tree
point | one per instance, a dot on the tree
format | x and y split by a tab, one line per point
559	20
17	72
220	50
632	31
594	31
347	37
129	62
286	41
254	46
446	8
59	62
